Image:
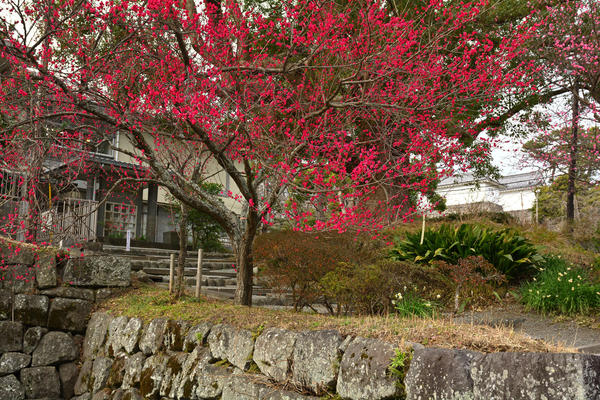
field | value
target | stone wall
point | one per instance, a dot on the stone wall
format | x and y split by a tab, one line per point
125	359
45	306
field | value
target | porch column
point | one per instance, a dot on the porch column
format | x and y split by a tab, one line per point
89	190
101	209
139	206
152	210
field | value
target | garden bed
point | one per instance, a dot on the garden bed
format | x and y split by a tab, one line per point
148	302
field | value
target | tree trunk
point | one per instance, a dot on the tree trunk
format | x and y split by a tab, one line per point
573	159
180	283
244	264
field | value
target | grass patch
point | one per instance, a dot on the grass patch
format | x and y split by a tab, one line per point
561	288
149	302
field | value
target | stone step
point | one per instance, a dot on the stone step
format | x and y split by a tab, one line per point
221	273
164	253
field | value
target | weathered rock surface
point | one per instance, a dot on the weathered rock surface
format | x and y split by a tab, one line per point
439	373
100	373
98	270
133	370
70	292
273	352
55	347
31	309
172	375
83	384
131	334
5	304
196	336
115	335
231	344
41	382
193	366
24	281
521	376
32	338
152	339
69	314
364	371
211	381
152	375
45	271
67	374
458	374
176	334
243	387
11	388
11	336
316	360
13	362
95	336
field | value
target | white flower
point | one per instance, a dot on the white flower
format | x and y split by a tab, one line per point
571	280
572	287
438	296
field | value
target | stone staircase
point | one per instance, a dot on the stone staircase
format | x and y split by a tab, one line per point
218	272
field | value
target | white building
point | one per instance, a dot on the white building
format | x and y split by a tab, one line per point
514	194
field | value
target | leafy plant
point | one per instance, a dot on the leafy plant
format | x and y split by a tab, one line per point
410	304
510	253
562	288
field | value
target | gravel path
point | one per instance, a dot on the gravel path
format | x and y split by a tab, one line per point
570	333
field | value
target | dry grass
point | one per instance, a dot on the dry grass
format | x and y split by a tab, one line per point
148	302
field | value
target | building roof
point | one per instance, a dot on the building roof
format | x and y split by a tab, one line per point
508	182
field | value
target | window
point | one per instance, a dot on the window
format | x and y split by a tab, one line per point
119	218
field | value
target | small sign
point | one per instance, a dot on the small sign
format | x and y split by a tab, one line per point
128	243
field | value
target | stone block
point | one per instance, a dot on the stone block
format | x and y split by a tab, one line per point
13	252
192	367
273	352
95	335
522	376
196	336
211	381
20	277
83	384
31	309
133	370
440	373
45	270
176	334
316	360
152	375
11	336
54	348
5	304
68	374
364	371
100	373
32	338
131	334
231	344
13	362
70	292
41	382
98	271
11	388
69	314
152	339
113	340
173	374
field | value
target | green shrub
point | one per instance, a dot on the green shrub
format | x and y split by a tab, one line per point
562	288
295	262
510	253
372	288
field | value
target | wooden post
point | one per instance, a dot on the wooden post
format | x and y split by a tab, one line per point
171	272
423	229
199	273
